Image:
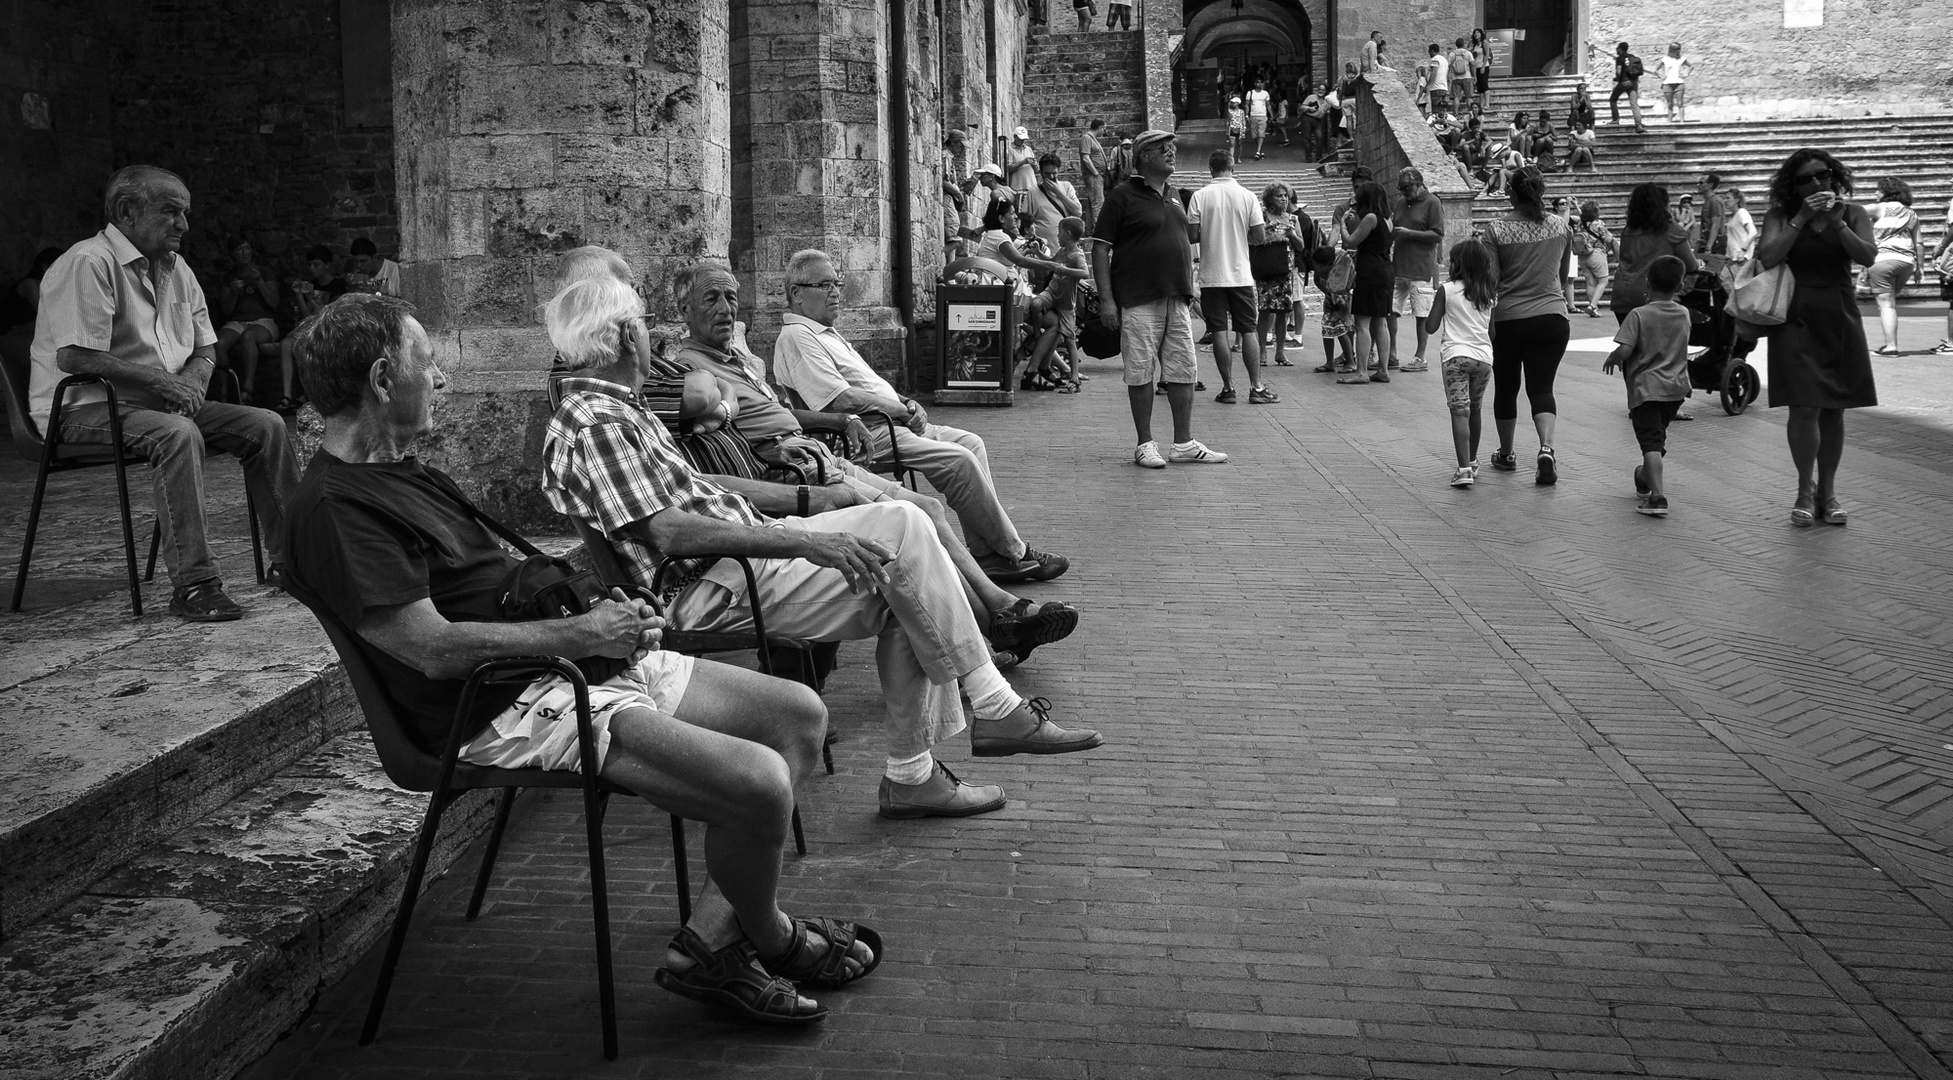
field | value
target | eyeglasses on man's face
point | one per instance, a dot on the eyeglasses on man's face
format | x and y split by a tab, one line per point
829	285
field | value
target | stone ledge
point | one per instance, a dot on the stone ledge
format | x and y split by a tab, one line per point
198	955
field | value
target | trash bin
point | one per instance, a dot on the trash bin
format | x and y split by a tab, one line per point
976	333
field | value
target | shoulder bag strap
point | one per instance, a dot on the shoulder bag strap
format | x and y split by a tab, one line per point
515	539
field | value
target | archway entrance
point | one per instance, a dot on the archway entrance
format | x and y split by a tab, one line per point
1536	36
1230	42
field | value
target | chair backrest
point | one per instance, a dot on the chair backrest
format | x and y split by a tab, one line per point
407	765
16	358
603	556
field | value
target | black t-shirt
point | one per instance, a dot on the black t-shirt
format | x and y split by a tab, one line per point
1151	257
379	535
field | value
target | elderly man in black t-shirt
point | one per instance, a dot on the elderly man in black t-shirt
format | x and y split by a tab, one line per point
392	550
1143	264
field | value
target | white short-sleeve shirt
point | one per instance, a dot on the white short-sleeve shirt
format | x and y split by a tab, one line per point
817	363
1225	211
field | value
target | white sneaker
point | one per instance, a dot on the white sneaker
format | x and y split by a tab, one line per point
1466	476
1147	456
1195	453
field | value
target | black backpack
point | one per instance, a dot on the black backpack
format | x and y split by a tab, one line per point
1632	65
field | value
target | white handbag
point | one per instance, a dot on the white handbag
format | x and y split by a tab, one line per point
1759	296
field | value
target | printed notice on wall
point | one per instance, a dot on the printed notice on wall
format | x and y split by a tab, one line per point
1798	13
976	317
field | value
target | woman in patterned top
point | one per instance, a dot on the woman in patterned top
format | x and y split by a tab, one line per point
1895	229
1530	250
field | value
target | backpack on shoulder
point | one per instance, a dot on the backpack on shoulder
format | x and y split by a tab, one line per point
1632	65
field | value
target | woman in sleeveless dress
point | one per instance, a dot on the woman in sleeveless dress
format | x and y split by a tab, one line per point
1819	365
1368	226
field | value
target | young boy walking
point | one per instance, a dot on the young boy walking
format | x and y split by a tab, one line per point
1652	353
1055	311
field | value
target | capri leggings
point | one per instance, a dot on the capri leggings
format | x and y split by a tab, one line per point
1531	346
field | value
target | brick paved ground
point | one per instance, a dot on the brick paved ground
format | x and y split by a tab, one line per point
1400	781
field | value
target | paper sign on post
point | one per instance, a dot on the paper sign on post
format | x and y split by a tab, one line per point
976	317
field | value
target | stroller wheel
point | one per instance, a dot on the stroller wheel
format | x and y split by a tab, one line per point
1739	388
1756	384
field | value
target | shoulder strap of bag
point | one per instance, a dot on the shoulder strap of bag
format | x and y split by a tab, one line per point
442	481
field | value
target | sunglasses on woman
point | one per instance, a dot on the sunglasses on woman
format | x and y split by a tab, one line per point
1821	176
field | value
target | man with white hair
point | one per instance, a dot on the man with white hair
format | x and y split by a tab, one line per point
813	360
857	572
391	550
122	305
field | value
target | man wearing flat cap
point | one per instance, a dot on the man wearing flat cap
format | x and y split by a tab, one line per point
1143	263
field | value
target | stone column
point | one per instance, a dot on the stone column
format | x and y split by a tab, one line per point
812	154
523	129
1164	25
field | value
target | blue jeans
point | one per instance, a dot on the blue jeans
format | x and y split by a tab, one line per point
174	445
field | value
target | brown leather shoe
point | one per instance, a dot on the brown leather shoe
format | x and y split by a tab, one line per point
1028	730
942	795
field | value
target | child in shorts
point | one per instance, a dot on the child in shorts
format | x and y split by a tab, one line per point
1335	272
1055	310
1461	314
1652	352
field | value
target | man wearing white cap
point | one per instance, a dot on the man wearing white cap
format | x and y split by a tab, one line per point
1143	264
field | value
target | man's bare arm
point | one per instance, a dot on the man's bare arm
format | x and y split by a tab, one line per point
783	500
183	393
419	636
680	533
853	400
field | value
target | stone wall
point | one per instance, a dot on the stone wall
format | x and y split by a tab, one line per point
244	100
1390	135
526	128
1869	57
1162	22
1409	28
57	118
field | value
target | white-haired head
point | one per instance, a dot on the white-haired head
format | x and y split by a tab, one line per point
588	262
587	318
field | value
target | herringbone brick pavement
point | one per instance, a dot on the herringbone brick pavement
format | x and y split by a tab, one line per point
1400	781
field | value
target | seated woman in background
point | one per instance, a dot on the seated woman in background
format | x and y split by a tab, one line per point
248	303
23	302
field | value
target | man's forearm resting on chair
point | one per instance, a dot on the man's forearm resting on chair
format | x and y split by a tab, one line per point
680	534
419	635
175	389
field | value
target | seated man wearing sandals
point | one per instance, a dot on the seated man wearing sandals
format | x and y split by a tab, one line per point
861	571
390	548
813	360
703	385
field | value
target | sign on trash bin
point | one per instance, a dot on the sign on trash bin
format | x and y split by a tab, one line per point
977	346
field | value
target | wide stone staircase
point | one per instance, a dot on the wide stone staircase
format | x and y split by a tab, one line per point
1071	79
1745	154
195	834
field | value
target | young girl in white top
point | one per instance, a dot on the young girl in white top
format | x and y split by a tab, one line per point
1674	76
1462	312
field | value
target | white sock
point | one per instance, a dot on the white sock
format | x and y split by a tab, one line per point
910	771
991	697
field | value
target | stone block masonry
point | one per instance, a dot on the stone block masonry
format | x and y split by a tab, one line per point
1870	57
1390	135
524	130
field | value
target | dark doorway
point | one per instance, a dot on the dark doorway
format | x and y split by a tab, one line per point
1546	23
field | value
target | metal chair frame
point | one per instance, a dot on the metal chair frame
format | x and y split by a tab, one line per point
47	450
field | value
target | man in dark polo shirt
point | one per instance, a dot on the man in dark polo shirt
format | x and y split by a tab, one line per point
1143	263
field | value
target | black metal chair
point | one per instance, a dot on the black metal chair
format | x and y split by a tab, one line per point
811	669
446	778
53	456
838	443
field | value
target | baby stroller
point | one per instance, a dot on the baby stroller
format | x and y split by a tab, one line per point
1716	369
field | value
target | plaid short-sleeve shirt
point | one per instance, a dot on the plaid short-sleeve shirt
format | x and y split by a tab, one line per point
609	463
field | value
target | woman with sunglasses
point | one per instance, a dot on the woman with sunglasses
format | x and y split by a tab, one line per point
1819	364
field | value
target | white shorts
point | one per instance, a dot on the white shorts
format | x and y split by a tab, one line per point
1413	297
539	730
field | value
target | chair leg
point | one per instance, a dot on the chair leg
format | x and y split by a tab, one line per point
257	541
827	750
27	545
129	528
504	805
679	870
593	828
799	837
155	541
431	824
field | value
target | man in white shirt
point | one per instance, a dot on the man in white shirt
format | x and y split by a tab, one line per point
813	360
1224	218
374	274
1739	226
1258	116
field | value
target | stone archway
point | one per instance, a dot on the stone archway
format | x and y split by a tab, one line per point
1226	40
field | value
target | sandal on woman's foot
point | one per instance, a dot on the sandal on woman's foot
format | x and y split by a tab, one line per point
1068	388
1803	512
824	968
1324	369
1280	362
732	979
1354	380
1887	350
1830	511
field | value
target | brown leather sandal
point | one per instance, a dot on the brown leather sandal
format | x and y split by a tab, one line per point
731	979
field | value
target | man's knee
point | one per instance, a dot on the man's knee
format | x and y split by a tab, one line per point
928	504
174	438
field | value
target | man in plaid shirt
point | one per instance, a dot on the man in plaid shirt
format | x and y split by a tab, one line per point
875	570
